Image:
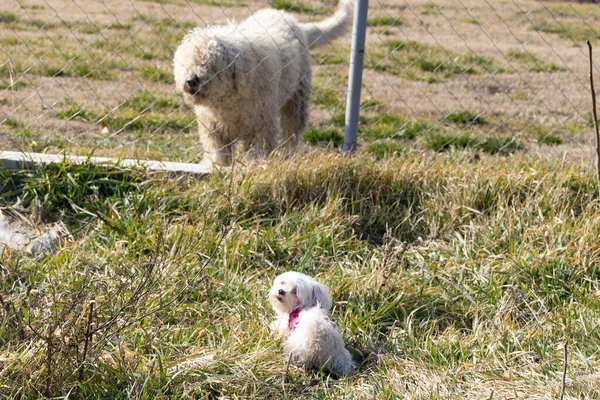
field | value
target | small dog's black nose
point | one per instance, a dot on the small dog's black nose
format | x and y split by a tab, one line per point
281	292
192	86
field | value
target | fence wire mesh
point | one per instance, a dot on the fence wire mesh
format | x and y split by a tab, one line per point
85	77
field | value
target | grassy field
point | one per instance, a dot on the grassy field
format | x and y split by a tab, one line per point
460	245
451	278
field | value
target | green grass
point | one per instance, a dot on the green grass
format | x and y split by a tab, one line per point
443	141
569	30
387	126
422	62
91	28
65	63
128	50
8	17
144	100
430	9
335	55
296	6
327	95
9	40
139	115
532	63
465	117
471	20
8	85
590	120
385	148
154	74
27	23
13	123
576	10
455	272
444	272
316	136
25	137
386	20
549	138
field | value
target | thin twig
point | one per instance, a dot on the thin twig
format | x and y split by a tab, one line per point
88	338
287	370
564	376
49	353
594	116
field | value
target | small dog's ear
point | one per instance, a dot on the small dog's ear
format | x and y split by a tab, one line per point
320	296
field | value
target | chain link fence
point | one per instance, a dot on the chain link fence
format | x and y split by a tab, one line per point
96	78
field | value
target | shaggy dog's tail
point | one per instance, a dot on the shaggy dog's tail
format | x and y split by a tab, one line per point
318	33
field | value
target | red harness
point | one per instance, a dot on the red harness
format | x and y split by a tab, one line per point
293	319
295	315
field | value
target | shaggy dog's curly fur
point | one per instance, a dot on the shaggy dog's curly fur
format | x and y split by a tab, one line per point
312	340
250	83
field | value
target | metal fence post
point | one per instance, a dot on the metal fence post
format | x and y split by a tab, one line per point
355	75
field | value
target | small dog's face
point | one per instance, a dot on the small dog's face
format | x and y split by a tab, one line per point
293	290
205	70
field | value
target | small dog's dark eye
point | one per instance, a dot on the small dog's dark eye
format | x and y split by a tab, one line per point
294	291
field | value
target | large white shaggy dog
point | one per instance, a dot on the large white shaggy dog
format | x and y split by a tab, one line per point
313	341
250	83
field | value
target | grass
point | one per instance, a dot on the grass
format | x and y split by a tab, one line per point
316	136
144	100
574	10
142	49
465	117
133	117
455	273
471	20
387	126
443	141
549	138
24	137
532	63
385	148
430	9
155	74
385	20
553	133
431	63
8	17
297	6
335	55
422	62
8	85
444	272
569	30
327	95
91	29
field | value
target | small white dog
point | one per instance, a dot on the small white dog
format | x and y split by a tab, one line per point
313	341
250	82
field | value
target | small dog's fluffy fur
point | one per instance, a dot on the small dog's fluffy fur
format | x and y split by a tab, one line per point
313	341
250	83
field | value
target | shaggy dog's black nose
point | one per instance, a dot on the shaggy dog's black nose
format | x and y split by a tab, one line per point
192	86
281	292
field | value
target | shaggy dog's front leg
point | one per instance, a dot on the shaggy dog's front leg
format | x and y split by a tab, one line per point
216	151
264	138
